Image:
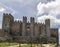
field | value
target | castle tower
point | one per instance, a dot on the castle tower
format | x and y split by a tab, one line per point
7	21
36	30
24	25
47	23
20	28
43	29
32	22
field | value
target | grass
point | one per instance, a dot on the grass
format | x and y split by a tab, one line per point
6	44
28	45
34	45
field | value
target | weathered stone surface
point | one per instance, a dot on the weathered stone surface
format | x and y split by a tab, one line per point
26	30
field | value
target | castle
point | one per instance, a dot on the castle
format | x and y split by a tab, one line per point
26	29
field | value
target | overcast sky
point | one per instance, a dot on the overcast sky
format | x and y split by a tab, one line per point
20	8
40	9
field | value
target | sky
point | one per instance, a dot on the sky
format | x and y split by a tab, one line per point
40	9
20	8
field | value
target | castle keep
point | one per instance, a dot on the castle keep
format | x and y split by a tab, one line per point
27	29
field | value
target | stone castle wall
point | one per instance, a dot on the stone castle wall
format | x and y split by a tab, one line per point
24	28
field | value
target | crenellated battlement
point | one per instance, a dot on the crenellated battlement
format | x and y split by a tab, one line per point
25	25
26	28
17	21
7	15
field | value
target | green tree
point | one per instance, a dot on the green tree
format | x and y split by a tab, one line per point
43	39
37	39
31	41
8	41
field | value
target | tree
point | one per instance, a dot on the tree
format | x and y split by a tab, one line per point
37	39
57	38
8	41
42	39
19	44
30	41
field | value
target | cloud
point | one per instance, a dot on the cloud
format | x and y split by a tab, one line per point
18	19
10	10
6	9
2	9
49	10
